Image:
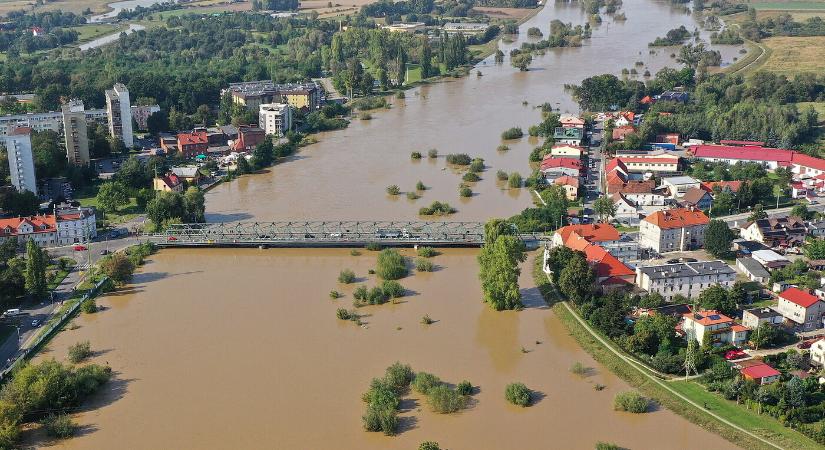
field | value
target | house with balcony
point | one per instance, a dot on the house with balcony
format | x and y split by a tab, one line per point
782	232
676	229
801	308
570	135
714	327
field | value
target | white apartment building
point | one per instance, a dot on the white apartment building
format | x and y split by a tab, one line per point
21	162
74	226
120	114
275	118
671	230
49	121
75	133
686	279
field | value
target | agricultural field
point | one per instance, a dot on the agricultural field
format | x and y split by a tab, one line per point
789	6
75	6
793	55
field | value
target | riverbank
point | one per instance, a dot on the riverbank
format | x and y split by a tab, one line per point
687	398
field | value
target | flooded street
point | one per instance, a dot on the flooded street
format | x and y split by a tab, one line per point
220	348
242	349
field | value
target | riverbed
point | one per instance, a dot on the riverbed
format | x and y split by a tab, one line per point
219	348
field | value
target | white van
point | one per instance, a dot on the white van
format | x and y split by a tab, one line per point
12	312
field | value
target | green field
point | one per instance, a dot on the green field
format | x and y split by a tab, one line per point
789	6
88	33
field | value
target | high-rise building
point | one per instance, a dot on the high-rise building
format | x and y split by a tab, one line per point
275	118
74	131
120	114
18	145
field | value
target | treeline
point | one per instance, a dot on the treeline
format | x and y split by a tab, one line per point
275	5
388	8
46	20
782	25
727	36
23	41
675	36
508	3
561	35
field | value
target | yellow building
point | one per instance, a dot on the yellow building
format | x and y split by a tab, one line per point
566	150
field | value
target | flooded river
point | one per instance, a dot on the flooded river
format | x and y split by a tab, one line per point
218	348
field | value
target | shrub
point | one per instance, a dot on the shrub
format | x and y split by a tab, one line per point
360	293
515	180
343	314
346	276
465	191
392	289
606	446
80	351
119	267
423	265
415	155
354	252
502	175
503	148
579	369
426	252
420	186
412	196
426	320
424	382
517	394
391	265
477	165
398	377
365	116
400	95
631	402
89	306
381	419
437	209
59	426
444	400
376	296
464	388
512	133
373	246
471	177
334	294
432	153
459	159
429	445
393	190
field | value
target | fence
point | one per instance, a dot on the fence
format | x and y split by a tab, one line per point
50	330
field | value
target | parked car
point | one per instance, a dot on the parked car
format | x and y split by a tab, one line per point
805	344
79	248
35	323
171	238
105	252
735	354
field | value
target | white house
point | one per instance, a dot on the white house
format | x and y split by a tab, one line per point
752	318
802	308
818	353
714	327
686	279
41	229
627	211
75	226
275	118
670	230
678	186
566	150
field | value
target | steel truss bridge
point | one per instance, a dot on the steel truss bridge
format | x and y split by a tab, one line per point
326	234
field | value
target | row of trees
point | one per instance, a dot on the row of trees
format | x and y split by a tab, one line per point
499	261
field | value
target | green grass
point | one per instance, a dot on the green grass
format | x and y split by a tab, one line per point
88	197
93	31
788	6
819	107
413	73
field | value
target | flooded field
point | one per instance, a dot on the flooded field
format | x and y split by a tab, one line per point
242	349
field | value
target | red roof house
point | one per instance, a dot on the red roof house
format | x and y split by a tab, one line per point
732	186
193	144
760	373
619	133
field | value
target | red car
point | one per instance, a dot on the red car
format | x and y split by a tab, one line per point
171	238
735	354
79	248
805	344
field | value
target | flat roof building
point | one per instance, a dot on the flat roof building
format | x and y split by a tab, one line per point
687	279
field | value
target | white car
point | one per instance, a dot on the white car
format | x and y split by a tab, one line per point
35	323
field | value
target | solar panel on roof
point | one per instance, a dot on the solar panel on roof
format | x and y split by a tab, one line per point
714	317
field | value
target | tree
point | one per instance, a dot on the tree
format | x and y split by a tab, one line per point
111	195
264	154
757	213
814	248
577	279
194	203
521	61
118	267
35	270
801	211
499	267
718	238
605	207
134	173
164	207
716	298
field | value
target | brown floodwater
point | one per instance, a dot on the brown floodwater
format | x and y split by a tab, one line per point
220	348
242	349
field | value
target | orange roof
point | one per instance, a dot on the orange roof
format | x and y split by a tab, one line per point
604	264
595	232
760	371
171	180
638	187
799	297
739	328
732	185
708	317
614	164
195	137
10	227
677	218
567	180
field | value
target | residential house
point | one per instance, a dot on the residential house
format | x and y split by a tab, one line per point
141	114
761	374
817	354
752	269
571	136
802	308
566	150
678	186
190	174
668	138
248	138
571	121
570	186
697	198
193	144
627	211
620	132
754	317
602	234
731	187
252	94
816	228
770	260
642	193
714	327
553	168
610	272
676	229
686	279
167	183
41	229
76	225
672	96
275	118
798	190
776	231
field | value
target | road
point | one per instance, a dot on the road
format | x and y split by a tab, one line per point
737	220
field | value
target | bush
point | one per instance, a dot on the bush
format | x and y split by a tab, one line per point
381	419
360	293
89	306
80	351
459	159
606	446
400	95
502	175
346	276
503	148
365	116
424	382
579	369
437	209
393	190
432	153
517	394
392	289
429	445
412	196
444	400
335	294
465	191
423	265
631	402
398	377
426	252
118	267
420	186
515	180
391	265
415	155
426	320
343	314
59	426
470	177
354	252
477	165
373	246
512	133
464	388
376	296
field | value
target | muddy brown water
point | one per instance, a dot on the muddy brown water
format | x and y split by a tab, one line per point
220	348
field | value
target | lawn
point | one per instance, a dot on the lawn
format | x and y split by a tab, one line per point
88	197
413	73
819	107
94	31
788	6
794	55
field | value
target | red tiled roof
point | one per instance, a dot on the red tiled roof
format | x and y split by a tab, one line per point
568	163
196	137
799	297
760	371
732	185
570	120
744	153
707	317
642	160
9	227
802	159
739	328
742	143
171	180
604	264
677	218
567	180
620	132
638	187
596	232
20	131
614	164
